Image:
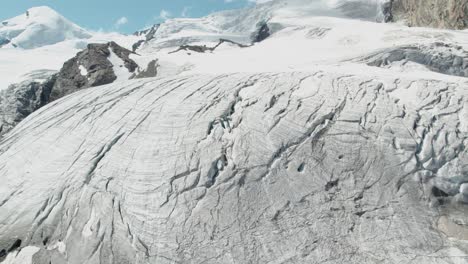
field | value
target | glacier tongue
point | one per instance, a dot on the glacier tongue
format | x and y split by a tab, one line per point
242	168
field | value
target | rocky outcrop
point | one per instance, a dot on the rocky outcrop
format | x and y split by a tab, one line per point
20	100
438	57
148	35
150	71
91	67
385	15
205	48
451	14
262	33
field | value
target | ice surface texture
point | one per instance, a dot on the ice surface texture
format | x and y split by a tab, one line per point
241	168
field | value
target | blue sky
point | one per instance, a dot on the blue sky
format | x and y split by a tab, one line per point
121	15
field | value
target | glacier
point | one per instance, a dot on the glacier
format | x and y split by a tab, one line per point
210	169
335	139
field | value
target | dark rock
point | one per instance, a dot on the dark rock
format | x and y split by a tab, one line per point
149	35
195	48
137	44
124	54
262	33
204	48
15	245
150	71
438	192
20	100
99	69
3	255
387	11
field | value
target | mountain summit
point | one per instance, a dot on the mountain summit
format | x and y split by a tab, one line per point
39	26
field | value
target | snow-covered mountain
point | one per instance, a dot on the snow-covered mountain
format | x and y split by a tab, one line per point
238	25
44	40
289	132
308	33
39	26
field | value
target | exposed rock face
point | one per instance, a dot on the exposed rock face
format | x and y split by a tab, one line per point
451	14
150	71
149	35
91	67
204	48
262	33
242	168
20	100
386	11
137	45
438	57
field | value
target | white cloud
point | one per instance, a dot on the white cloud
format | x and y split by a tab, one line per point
121	21
164	14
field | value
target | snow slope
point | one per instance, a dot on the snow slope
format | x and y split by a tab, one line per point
293	150
238	25
38	27
301	38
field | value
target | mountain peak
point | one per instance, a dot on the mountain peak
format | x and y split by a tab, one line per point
39	26
41	10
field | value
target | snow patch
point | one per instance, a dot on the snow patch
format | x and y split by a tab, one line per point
83	70
119	68
408	95
59	245
23	256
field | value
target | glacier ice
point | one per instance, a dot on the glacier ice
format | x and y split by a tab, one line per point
238	168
